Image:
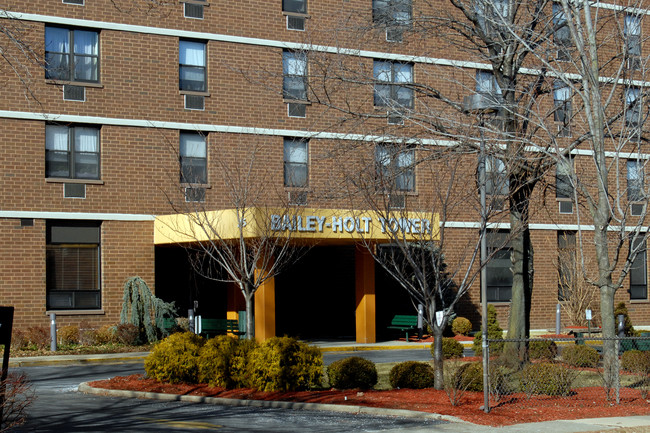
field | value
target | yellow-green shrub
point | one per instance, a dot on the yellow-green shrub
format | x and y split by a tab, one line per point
412	375
352	372
468	377
546	378
175	359
223	361
580	356
461	326
285	364
636	361
106	334
542	349
450	348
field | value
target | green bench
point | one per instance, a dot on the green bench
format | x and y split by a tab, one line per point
214	327
404	323
642	343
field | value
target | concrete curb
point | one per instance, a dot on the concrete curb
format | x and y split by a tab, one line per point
358	410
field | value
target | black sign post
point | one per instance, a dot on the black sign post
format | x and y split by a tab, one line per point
6	324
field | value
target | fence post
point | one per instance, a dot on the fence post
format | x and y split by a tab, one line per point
617	345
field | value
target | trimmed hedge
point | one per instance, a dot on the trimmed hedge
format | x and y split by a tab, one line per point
461	326
412	375
450	348
546	350
546	378
175	359
218	363
580	356
352	372
285	364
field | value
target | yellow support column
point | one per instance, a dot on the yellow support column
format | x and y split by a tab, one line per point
365	296
265	310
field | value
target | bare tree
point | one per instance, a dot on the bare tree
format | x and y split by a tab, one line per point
246	243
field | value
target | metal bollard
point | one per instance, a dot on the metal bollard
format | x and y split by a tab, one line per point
53	332
558	324
190	317
621	325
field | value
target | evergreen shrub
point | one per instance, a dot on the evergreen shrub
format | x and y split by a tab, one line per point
461	326
412	375
546	349
450	348
468	377
636	361
495	332
352	372
285	364
219	363
175	359
580	356
546	378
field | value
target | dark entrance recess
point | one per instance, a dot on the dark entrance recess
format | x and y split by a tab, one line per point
177	281
391	299
314	298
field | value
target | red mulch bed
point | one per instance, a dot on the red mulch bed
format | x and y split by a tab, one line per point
512	409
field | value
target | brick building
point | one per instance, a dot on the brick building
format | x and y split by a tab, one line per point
137	110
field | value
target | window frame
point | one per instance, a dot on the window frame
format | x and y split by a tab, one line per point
497	183
392	86
639	291
290	60
73	156
291	166
387	14
72	57
189	66
393	168
188	162
498	250
80	239
287	10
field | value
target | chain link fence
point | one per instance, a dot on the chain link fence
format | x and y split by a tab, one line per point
568	371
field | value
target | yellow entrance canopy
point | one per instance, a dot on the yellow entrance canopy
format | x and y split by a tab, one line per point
302	223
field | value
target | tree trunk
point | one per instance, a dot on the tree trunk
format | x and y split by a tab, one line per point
438	364
521	258
250	328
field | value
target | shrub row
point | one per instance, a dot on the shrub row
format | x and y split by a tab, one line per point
278	364
38	337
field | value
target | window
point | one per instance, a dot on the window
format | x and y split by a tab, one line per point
562	113
638	269
394	15
632	34
499	275
191	70
395	167
496	180
71	55
633	110
296	163
294	70
634	180
295	6
561	33
193	158
72	265
492	14
566	264
563	183
486	83
389	88
71	152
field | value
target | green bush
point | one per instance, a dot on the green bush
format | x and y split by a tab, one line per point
412	375
215	361
240	362
128	334
352	372
468	377
285	364
580	355
450	349
68	335
546	378
175	359
494	333
461	326
636	361
546	349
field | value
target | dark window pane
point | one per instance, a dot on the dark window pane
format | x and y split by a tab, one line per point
192	78
58	66
297	6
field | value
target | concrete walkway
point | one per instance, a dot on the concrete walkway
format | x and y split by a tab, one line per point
632	424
